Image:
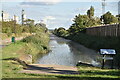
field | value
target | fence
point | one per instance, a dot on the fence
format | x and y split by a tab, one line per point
106	30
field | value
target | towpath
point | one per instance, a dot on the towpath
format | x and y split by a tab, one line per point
50	69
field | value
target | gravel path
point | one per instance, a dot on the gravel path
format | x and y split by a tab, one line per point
7	41
50	69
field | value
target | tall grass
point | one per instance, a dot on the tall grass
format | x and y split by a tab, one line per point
36	44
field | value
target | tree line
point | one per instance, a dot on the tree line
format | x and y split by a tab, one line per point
29	26
81	22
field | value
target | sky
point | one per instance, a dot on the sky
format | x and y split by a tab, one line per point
56	13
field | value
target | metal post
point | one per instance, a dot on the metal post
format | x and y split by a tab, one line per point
23	17
2	16
112	63
103	62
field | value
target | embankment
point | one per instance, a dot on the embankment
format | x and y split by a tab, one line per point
97	43
23	50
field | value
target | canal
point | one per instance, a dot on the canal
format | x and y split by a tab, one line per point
66	52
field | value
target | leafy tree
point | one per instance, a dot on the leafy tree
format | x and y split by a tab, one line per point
55	31
29	22
118	16
80	22
43	26
93	22
108	18
90	12
61	32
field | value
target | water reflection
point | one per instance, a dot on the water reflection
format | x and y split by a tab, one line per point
66	52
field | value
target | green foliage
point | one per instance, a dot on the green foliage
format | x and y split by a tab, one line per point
10	27
25	29
42	27
29	22
80	22
38	41
108	18
83	21
118	16
61	32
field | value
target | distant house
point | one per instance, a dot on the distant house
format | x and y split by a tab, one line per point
5	16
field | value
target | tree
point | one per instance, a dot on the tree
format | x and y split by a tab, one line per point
93	22
43	26
90	12
29	22
61	32
118	16
108	18
80	22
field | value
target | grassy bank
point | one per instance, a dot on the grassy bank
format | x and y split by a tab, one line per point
20	50
10	68
36	44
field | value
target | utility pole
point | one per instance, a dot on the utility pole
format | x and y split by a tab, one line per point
103	9
2	16
23	13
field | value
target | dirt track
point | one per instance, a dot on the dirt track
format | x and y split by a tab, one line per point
50	69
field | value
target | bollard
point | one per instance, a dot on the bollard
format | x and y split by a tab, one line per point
13	39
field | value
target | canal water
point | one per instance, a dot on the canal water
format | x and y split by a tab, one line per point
66	52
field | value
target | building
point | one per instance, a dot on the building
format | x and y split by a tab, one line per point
16	18
5	16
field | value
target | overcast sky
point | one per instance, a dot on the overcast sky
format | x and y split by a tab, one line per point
56	13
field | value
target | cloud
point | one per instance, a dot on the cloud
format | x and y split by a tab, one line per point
40	2
56	1
48	18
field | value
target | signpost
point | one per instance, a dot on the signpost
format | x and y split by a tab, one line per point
105	52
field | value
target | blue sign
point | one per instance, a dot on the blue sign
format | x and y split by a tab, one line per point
107	51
